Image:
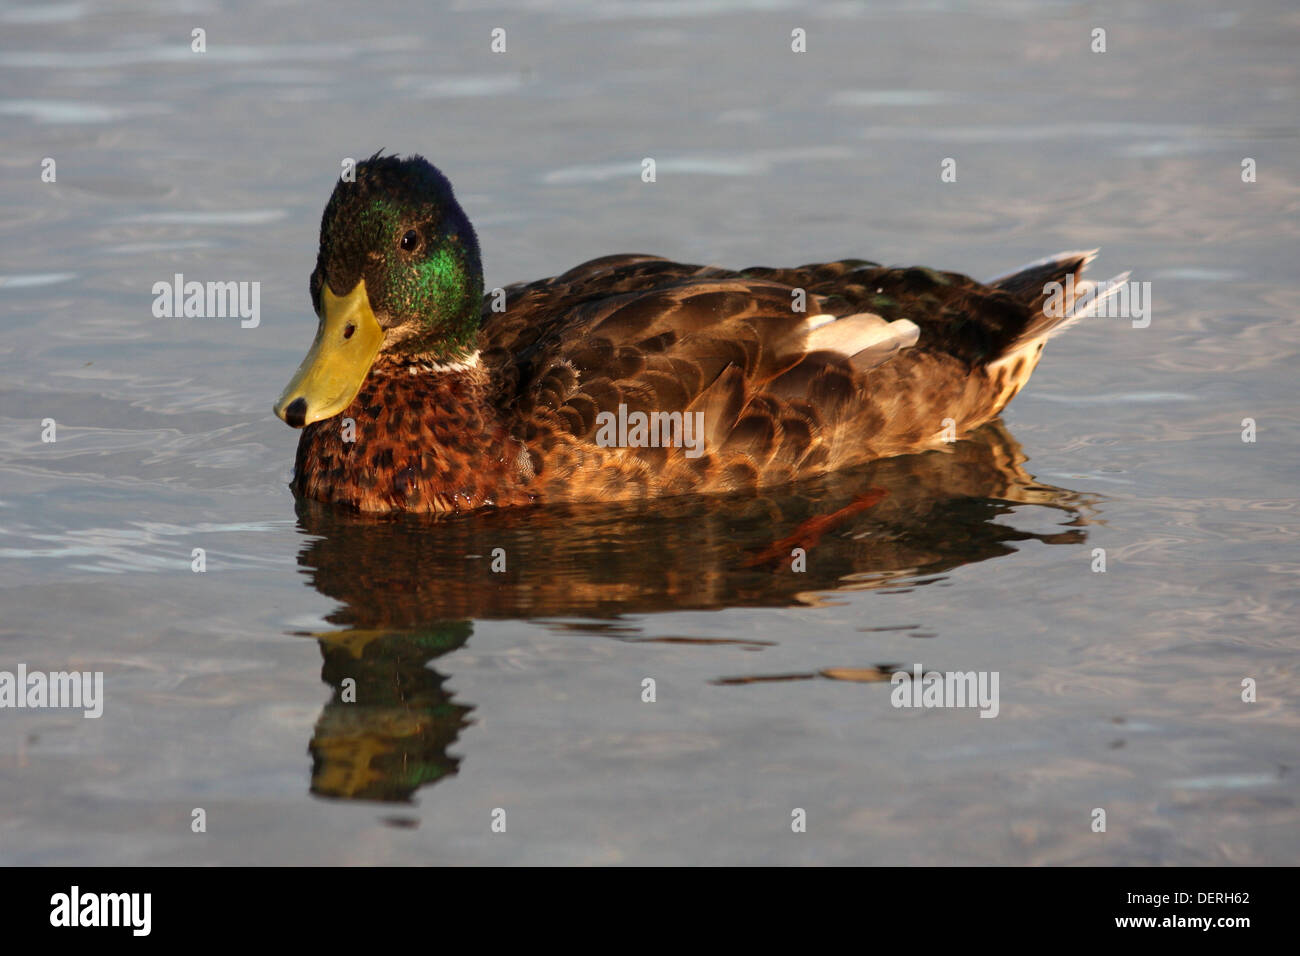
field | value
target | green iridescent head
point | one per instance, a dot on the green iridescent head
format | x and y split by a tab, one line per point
398	273
399	227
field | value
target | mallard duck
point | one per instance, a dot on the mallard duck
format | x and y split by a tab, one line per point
629	376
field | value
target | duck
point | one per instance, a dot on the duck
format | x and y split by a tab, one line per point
631	377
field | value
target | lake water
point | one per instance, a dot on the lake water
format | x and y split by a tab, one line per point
522	691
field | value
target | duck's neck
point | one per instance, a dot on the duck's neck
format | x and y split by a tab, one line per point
449	329
421	435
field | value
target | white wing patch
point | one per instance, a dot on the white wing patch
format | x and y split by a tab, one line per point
867	339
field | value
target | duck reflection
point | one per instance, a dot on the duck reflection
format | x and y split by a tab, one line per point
409	586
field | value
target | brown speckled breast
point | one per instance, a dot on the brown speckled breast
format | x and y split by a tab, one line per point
423	443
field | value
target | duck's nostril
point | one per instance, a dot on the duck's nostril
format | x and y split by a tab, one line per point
296	413
347	333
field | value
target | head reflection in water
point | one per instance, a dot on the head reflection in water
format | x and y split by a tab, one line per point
410	586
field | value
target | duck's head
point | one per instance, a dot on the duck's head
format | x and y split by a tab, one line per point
398	274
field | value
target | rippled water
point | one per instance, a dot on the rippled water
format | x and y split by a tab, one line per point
522	690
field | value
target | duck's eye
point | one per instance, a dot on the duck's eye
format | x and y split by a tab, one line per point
410	240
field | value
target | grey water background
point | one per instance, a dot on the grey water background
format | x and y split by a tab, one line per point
1119	690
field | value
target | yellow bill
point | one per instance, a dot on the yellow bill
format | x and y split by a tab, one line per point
346	344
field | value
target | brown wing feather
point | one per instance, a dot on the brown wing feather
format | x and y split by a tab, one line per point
657	335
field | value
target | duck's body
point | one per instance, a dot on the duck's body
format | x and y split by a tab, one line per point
636	377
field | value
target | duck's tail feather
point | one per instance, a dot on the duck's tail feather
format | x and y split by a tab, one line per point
1056	293
1026	283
